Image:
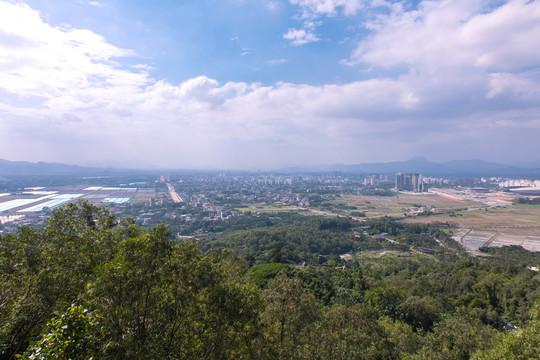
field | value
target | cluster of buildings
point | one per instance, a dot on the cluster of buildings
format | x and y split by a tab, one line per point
410	182
521	186
513	183
373	180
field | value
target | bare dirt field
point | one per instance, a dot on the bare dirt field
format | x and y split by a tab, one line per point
514	219
511	225
508	225
266	208
473	239
374	206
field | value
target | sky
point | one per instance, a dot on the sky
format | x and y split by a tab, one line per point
261	84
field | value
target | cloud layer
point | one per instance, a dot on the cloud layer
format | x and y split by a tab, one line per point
447	79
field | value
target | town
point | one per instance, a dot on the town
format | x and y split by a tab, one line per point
194	203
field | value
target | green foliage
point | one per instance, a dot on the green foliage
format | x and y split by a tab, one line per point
514	255
43	271
345	207
387	300
74	334
533	201
139	295
276	254
520	344
331	286
419	312
456	337
291	244
424	235
156	298
235	223
159	299
348	333
334	224
289	313
401	335
260	274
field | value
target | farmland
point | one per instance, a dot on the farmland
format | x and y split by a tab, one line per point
374	206
510	225
37	199
473	221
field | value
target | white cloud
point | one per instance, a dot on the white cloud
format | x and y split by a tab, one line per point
274	62
310	12
314	8
96	3
524	87
64	96
459	52
271	5
300	37
48	61
465	33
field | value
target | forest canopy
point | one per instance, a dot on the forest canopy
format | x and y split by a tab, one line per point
90	285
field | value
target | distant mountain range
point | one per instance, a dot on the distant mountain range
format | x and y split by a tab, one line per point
471	168
15	168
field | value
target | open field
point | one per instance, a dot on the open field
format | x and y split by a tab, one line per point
475	223
508	225
372	259
374	206
473	239
34	201
511	225
270	208
514	219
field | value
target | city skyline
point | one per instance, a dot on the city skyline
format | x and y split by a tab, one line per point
262	84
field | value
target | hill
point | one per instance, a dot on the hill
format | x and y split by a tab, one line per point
455	168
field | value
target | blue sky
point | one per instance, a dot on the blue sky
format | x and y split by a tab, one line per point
268	83
224	40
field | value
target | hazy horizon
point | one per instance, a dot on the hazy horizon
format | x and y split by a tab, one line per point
262	84
421	161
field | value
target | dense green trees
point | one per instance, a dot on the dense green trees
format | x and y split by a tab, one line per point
534	201
91	286
348	333
521	344
289	312
155	298
161	299
456	336
297	243
43	271
75	334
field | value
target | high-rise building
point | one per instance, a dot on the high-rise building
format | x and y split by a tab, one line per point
400	180
408	182
166	178
414	181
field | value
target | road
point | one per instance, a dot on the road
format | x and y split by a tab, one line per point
174	196
490	200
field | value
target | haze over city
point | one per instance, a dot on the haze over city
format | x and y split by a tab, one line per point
258	84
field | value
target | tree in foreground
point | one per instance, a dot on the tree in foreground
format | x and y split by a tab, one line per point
520	344
157	299
75	334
